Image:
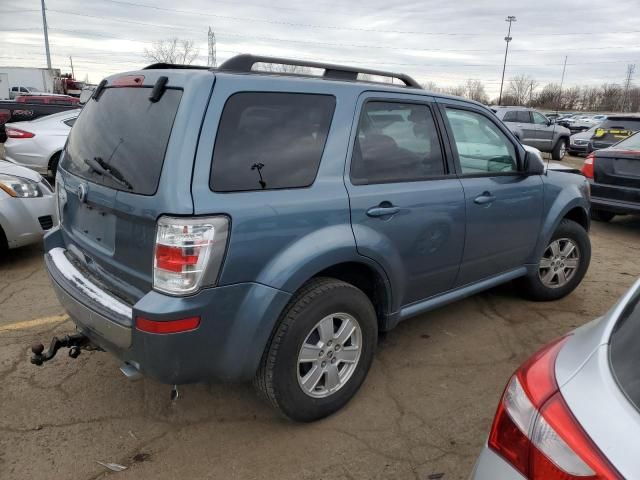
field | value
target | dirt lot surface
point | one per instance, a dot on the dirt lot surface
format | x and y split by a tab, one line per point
424	410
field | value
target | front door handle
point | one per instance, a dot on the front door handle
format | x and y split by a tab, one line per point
382	211
485	199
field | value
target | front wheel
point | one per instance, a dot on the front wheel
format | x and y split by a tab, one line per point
320	352
562	266
560	150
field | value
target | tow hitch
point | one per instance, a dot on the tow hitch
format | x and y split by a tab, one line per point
75	343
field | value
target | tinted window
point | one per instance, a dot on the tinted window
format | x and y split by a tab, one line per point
510	116
482	147
625	351
396	142
631	143
622	124
270	140
120	140
539	119
35	100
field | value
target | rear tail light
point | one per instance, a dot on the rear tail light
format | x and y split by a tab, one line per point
17	133
587	167
535	431
188	253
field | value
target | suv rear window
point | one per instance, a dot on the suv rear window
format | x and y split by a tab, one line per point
268	141
624	350
126	135
632	124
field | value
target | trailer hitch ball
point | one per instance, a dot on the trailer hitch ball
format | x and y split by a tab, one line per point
75	343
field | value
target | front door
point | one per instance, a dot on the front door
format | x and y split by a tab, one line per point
407	210
503	205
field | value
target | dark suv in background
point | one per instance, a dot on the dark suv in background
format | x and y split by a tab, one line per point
534	129
227	224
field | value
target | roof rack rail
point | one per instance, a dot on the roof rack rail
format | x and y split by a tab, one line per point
163	66
245	63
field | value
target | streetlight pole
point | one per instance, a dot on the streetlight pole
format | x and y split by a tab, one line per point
507	39
46	34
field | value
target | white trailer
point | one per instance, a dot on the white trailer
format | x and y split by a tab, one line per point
42	79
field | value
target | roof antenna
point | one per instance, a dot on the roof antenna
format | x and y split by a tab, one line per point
553	132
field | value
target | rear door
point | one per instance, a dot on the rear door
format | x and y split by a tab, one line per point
127	161
544	132
503	206
407	208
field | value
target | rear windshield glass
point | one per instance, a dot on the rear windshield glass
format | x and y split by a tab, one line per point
622	124
631	143
270	140
120	140
625	351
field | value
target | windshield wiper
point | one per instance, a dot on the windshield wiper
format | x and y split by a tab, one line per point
98	166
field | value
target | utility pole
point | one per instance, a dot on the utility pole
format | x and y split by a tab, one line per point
211	37
631	68
507	39
46	34
73	74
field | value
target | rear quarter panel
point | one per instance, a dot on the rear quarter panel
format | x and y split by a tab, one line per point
281	238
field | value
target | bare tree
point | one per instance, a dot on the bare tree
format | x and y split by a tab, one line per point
571	98
172	50
431	86
521	89
458	91
281	68
475	91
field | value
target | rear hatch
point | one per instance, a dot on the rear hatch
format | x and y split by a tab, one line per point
616	171
614	130
127	161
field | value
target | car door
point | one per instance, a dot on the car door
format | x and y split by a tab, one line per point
407	209
503	205
544	131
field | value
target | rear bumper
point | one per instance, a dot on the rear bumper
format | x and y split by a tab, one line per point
236	322
615	199
491	466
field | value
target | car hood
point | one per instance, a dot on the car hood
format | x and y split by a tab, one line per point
9	168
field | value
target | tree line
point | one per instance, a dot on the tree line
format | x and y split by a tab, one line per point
524	90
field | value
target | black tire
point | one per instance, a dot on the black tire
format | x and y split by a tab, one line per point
532	285
602	215
277	377
560	150
53	165
4	245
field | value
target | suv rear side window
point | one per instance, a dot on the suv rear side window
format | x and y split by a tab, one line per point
269	141
396	142
124	135
482	147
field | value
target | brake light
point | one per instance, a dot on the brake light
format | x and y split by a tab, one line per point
587	167
167	326
188	253
128	81
17	133
535	431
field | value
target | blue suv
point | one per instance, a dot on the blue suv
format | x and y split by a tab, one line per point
229	224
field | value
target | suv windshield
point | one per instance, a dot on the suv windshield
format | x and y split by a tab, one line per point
120	140
625	351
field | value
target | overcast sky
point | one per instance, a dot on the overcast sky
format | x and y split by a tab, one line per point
442	41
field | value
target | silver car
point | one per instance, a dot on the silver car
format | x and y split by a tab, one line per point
27	206
37	144
573	409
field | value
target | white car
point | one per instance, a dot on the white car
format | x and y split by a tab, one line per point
37	144
27	206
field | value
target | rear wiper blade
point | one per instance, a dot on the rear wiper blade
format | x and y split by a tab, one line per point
96	165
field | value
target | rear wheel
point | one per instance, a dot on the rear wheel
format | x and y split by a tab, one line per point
563	264
602	215
53	165
320	352
560	150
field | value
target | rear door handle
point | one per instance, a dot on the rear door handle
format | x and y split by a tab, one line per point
485	199
382	211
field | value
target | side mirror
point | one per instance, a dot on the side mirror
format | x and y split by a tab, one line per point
551	121
533	163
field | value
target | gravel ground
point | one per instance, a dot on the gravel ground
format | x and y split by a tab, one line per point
425	408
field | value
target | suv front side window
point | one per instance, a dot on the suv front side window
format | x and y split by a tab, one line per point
482	147
539	119
396	142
